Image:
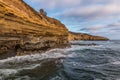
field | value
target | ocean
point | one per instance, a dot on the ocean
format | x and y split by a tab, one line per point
79	62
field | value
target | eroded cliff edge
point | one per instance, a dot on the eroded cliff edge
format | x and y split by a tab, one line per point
82	36
23	30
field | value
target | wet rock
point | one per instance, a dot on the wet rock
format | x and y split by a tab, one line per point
24	31
89	44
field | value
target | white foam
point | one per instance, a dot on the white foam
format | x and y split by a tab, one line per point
116	62
30	67
7	72
55	53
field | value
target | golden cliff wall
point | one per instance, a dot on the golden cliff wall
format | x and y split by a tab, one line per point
24	31
80	36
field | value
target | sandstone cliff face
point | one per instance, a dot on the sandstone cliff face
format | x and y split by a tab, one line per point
23	30
80	36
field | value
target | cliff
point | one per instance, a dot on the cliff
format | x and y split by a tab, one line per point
81	36
24	31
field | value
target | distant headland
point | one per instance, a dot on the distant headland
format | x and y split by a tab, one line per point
25	31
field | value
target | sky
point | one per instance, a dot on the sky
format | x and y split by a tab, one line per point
96	17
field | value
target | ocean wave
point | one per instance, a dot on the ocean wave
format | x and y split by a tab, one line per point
13	65
4	73
55	53
76	59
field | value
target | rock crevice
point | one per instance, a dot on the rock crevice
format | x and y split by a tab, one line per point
24	31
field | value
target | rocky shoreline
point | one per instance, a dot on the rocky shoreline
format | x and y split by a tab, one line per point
25	31
86	37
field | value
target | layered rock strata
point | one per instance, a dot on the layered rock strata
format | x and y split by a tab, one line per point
24	31
81	36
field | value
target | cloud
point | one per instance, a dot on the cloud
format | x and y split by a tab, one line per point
117	25
113	26
92	11
108	30
53	4
84	9
97	17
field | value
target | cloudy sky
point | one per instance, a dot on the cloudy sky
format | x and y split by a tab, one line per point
96	17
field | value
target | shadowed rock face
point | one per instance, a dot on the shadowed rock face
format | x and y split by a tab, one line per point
81	36
24	31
